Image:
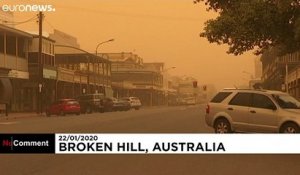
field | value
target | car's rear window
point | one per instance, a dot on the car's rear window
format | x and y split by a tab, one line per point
220	97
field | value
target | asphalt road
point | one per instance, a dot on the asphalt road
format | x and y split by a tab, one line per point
149	120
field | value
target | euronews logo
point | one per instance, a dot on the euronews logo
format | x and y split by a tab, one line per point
28	8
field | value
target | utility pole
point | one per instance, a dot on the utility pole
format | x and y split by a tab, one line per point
40	65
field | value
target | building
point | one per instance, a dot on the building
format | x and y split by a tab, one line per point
132	77
14	65
81	73
62	72
42	73
293	81
281	72
62	38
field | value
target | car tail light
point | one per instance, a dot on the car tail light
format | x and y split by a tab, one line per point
207	109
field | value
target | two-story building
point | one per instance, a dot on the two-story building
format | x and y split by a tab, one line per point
80	72
14	67
130	77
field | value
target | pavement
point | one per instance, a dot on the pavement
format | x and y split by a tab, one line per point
13	116
181	119
17	115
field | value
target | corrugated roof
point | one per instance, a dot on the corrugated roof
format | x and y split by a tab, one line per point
14	31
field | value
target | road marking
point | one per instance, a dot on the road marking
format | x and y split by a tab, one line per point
7	123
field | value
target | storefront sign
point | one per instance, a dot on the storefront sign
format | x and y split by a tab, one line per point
77	78
49	74
65	75
83	79
18	74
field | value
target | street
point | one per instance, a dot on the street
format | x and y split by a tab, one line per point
182	119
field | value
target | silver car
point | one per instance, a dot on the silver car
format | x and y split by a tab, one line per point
237	110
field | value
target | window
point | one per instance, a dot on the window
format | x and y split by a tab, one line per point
241	99
1	43
11	45
21	47
262	101
220	97
286	101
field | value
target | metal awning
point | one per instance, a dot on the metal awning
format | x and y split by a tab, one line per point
4	28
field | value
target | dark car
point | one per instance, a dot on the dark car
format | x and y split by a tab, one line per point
63	106
108	104
91	103
120	105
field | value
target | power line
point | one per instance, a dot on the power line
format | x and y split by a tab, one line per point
21	22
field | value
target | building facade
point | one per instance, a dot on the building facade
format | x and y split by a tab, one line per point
81	73
14	65
132	77
280	72
33	81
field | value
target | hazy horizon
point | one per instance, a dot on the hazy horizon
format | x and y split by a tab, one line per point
158	31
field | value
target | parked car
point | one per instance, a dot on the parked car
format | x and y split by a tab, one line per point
190	101
134	102
236	110
108	104
63	106
120	105
91	103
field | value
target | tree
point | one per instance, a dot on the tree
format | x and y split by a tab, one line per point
254	25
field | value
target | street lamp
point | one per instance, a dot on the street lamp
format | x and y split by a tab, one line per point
111	40
96	52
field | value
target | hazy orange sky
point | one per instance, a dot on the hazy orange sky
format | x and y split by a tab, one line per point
157	30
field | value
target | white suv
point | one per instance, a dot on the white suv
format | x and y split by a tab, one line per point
134	102
237	110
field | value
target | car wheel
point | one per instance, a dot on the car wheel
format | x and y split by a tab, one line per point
48	114
78	113
136	108
222	126
62	113
290	128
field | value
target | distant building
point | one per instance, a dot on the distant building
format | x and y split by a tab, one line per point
154	66
132	77
62	38
80	73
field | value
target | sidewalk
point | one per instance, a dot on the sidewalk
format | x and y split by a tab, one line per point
14	115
